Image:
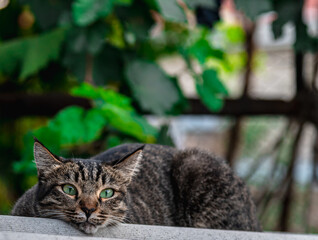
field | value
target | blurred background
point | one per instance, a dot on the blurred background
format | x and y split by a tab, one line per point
234	77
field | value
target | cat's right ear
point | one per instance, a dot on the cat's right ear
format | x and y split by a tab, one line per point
45	160
129	163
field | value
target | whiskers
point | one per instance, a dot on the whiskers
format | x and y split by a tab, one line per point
97	221
115	220
51	213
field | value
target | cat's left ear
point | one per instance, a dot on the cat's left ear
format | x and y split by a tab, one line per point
45	160
129	164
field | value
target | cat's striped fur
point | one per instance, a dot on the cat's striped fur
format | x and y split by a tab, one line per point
153	184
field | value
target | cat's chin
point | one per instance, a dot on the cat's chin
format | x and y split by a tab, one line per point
88	228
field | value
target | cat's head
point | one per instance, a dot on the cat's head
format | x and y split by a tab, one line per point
88	193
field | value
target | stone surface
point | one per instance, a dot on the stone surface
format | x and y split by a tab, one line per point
42	228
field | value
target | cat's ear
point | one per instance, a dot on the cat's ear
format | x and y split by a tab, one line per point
45	160
129	163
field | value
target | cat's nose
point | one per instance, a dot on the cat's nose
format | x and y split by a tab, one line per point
87	211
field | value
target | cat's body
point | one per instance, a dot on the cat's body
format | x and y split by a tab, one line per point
171	187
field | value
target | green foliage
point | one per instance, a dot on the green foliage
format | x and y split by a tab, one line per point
130	123
38	54
151	87
288	11
109	41
118	111
87	11
171	11
102	96
202	50
211	90
234	34
77	126
11	54
112	45
209	86
74	126
30	54
210	79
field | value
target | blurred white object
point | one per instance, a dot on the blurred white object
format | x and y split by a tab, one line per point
4	3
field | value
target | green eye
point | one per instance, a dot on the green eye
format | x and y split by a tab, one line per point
107	193
69	189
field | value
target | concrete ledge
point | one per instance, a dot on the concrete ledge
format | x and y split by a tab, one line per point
43	228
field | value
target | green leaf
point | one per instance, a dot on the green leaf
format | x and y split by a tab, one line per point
106	95
94	122
153	90
50	136
86	90
116	99
129	123
69	123
117	110
209	99
77	126
211	90
164	137
252	8
171	11
212	82
86	12
202	50
234	33
31	54
71	126
11	55
41	50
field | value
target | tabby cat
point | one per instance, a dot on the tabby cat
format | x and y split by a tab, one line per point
141	184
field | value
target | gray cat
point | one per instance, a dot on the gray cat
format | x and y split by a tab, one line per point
141	184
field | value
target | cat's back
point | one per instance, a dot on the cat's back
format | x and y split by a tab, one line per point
210	194
190	188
